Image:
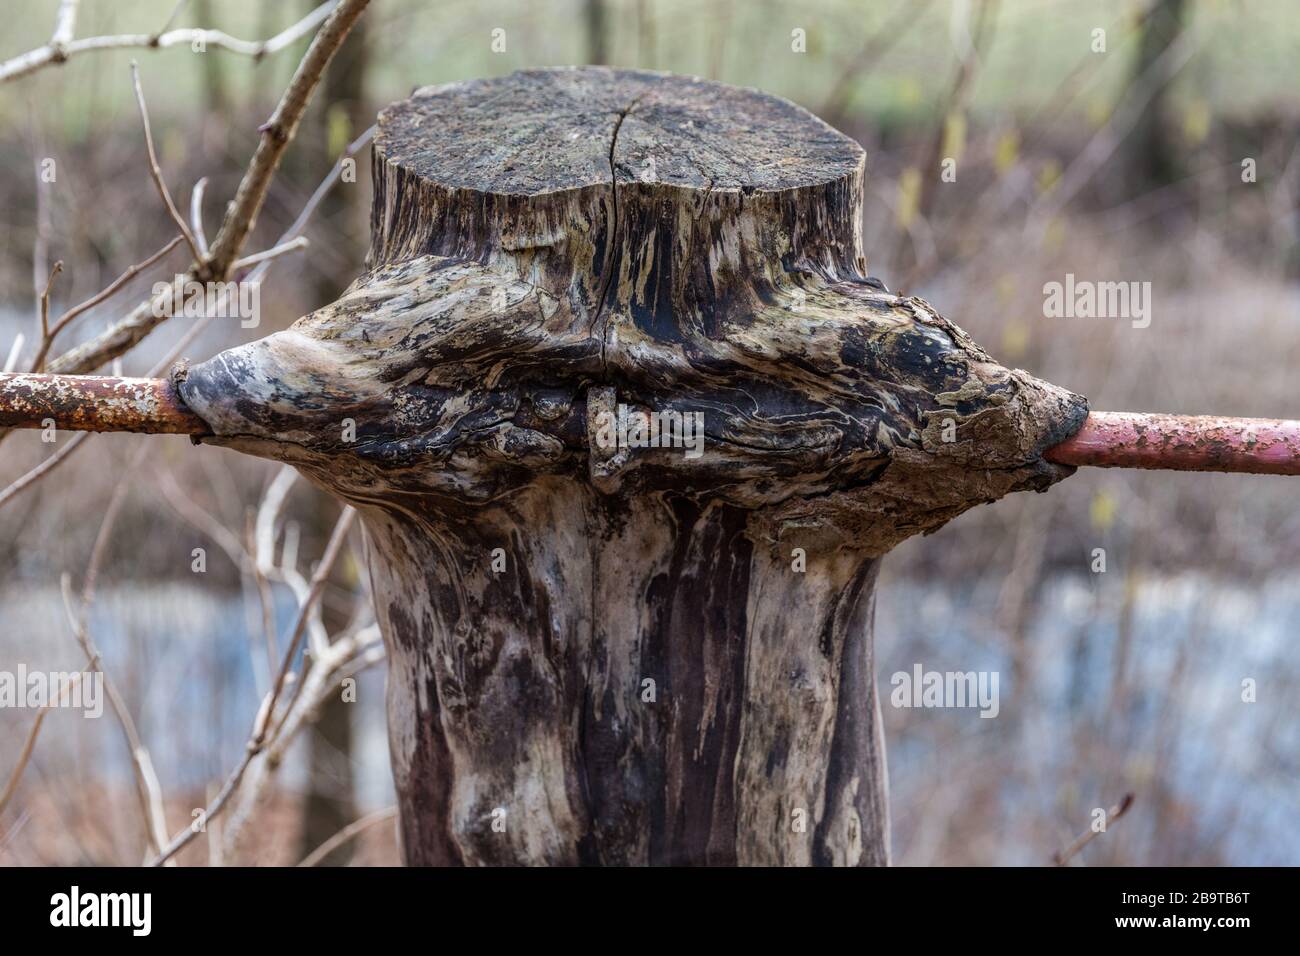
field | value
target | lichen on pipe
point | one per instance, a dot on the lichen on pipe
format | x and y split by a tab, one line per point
95	403
1260	446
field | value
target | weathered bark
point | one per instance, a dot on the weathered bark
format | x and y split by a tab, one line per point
329	803
546	247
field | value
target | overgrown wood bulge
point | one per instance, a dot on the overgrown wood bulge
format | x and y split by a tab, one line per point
605	649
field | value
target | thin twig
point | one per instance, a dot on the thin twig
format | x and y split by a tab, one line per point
263	594
206	523
262	722
41	242
196	216
15	351
369	658
277	132
1063	857
176	12
275	252
193	514
62	47
114	286
156	171
968	65
105	534
147	790
29	744
263	549
256	275
44	468
337	537
242	213
346	834
327	183
45	299
52	332
65	23
1121	123
212	810
357	649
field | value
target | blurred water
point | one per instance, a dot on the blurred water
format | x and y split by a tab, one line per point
192	665
1179	735
1064	740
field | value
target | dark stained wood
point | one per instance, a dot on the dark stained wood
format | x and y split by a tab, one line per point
546	247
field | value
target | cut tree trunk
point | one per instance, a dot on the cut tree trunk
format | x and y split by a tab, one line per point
601	652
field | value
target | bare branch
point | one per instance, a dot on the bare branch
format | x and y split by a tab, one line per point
171	18
266	714
347	656
49	464
25	755
147	789
29	745
156	171
40	471
123	279
332	549
1063	857
1122	121
210	812
45	299
65	23
201	520
264	595
327	183
41	242
275	252
15	351
268	514
62	46
346	834
242	214
51	332
277	132
873	51
196	215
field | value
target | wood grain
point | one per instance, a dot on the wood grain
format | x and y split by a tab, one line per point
554	244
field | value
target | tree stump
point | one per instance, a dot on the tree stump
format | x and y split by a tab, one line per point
607	645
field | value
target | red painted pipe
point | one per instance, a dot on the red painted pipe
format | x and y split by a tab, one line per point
1260	446
95	403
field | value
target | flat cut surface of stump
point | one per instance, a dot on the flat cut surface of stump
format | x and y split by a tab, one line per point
545	131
